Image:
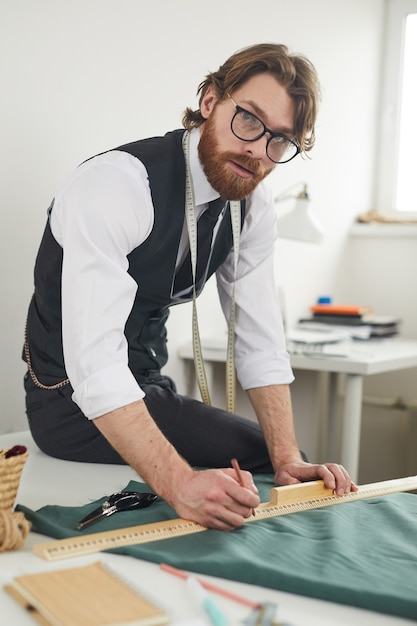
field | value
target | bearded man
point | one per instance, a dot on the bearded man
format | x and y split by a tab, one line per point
115	256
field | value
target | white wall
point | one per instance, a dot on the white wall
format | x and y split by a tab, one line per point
88	75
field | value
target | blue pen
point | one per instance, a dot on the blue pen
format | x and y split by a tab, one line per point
217	617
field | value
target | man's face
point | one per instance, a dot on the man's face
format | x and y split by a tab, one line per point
235	167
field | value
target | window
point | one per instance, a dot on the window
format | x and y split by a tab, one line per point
397	189
407	140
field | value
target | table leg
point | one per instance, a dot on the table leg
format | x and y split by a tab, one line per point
351	426
333	432
323	410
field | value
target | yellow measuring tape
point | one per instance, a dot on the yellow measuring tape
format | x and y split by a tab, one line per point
235	215
283	501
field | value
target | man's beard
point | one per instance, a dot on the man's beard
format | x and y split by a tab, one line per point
216	167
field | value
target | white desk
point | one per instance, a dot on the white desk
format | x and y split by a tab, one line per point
82	482
365	358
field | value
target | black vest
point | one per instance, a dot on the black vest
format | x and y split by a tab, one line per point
151	265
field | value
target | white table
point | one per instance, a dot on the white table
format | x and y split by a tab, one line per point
50	481
359	359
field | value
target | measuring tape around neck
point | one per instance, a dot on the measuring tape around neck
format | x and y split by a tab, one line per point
235	214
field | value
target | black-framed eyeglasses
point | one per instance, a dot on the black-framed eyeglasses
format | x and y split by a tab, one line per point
248	127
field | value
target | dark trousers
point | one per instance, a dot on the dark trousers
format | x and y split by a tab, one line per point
205	436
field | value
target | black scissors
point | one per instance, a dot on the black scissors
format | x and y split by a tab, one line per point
119	501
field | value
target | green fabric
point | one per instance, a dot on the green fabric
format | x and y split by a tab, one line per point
361	553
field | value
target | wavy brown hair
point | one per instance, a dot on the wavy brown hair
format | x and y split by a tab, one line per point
293	71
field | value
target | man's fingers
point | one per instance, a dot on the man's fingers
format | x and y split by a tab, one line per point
334	476
337	478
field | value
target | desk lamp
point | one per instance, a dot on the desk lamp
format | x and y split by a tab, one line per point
299	223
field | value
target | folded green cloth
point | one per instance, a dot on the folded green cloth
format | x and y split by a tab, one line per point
359	553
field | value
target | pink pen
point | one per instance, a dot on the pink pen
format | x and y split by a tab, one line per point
210	587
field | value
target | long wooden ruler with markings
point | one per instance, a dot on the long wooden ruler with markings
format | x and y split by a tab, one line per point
283	501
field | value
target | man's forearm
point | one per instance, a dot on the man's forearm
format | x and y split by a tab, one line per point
213	497
273	408
134	434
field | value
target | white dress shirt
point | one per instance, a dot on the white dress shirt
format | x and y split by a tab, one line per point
102	213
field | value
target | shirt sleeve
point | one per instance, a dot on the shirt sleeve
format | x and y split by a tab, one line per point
97	222
260	354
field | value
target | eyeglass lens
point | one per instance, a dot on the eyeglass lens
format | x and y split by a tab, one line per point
248	127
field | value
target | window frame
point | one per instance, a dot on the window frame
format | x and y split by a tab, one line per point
392	74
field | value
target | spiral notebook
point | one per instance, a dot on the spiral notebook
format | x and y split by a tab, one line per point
91	595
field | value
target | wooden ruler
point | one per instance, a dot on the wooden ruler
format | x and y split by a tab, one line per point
283	501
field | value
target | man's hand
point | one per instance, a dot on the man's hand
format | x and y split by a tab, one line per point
215	499
335	476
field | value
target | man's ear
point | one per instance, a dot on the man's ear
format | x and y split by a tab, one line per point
208	102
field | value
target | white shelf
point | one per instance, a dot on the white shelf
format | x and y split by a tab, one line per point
383	230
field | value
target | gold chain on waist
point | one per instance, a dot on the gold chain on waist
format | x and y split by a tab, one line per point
33	376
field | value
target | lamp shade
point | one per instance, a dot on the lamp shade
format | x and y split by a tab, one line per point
299	223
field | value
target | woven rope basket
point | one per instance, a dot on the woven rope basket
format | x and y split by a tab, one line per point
10	472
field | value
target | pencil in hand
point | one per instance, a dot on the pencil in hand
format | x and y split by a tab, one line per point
236	467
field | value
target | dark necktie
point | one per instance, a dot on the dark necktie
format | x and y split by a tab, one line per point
205	227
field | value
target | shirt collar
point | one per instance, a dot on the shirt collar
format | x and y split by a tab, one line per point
203	191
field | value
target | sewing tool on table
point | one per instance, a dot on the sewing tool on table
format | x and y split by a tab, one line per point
262	613
210	586
217	617
264	616
283	501
116	503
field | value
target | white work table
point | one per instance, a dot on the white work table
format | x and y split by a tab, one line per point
50	481
359	359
